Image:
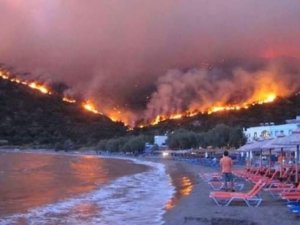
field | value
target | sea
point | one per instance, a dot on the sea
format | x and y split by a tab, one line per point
48	188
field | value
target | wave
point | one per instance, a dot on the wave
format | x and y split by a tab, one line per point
136	199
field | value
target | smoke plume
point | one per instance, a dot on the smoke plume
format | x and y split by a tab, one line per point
139	58
200	89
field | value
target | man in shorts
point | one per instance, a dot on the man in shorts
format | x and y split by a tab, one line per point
226	164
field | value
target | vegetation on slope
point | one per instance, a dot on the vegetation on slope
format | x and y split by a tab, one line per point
30	118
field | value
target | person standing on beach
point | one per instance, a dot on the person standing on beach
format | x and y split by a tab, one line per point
226	164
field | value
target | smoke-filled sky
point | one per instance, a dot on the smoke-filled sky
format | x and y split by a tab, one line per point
149	57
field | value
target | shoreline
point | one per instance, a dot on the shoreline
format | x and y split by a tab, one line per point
191	205
128	197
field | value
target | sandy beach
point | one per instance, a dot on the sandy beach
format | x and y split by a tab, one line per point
197	208
191	205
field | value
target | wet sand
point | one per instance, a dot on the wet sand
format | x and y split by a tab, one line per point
196	208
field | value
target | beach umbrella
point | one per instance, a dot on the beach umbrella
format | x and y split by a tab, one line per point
245	147
252	147
269	145
272	145
291	141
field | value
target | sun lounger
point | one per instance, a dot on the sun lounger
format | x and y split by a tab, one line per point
251	198
267	179
219	185
247	173
277	189
291	196
211	176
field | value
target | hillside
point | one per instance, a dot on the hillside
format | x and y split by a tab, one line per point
28	117
276	112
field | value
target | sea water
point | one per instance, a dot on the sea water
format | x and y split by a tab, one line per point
64	189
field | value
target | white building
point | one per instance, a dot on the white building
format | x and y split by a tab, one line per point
160	140
270	130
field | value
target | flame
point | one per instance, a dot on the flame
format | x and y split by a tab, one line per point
269	98
87	105
34	85
43	89
176	116
263	99
90	106
115	114
69	100
261	96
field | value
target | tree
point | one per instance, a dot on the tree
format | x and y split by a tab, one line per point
101	145
182	139
134	144
236	137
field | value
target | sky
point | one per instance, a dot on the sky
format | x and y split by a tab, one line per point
147	57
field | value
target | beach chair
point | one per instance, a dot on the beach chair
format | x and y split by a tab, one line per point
219	185
245	173
291	196
207	177
252	173
277	188
265	176
251	198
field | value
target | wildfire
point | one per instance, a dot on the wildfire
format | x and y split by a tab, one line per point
69	100
34	85
43	89
115	114
87	105
90	106
267	98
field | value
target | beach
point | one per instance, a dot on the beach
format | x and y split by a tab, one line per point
198	209
186	204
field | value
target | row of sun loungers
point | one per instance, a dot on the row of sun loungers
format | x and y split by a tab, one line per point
274	182
251	198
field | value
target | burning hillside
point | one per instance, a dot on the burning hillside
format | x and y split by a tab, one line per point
39	118
44	89
267	98
221	88
167	60
265	91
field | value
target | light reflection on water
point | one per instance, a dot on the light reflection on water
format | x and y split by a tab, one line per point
31	180
183	184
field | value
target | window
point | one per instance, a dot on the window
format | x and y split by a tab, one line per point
265	134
